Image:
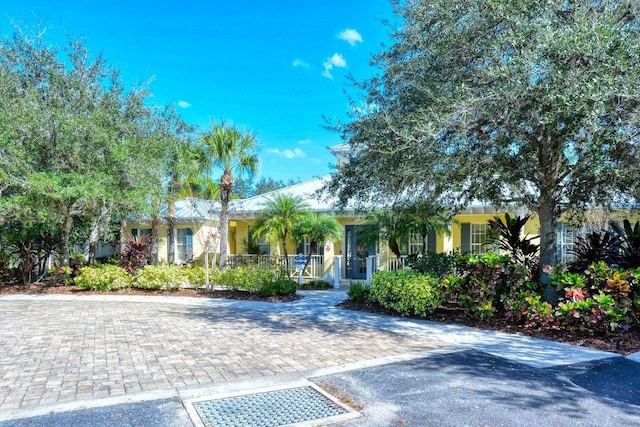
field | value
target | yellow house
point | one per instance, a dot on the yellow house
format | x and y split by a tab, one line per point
196	220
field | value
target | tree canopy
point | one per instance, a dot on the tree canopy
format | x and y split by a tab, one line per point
511	101
74	143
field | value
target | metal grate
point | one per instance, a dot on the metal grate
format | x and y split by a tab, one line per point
269	409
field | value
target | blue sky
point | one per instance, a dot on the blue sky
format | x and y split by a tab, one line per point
274	67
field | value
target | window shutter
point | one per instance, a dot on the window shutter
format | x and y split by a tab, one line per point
465	242
431	241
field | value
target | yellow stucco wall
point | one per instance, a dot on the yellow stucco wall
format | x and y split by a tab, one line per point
200	231
456	227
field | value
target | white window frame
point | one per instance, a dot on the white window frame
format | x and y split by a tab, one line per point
415	243
478	237
184	245
566	240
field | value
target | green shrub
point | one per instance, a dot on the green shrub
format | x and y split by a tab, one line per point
485	281
103	278
280	286
195	275
358	292
314	285
406	292
248	278
434	264
163	277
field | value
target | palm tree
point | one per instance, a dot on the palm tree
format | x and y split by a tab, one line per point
280	214
183	173
387	224
425	216
233	151
316	228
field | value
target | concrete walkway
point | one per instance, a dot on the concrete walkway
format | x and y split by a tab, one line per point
63	353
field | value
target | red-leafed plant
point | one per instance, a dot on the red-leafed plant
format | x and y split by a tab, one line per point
136	253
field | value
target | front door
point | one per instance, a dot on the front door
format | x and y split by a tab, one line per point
357	252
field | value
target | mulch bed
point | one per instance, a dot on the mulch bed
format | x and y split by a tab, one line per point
626	344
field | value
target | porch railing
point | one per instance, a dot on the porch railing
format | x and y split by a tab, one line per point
395	263
313	271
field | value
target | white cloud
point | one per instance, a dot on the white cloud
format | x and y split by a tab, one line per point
183	104
304	142
300	63
351	36
287	153
337	60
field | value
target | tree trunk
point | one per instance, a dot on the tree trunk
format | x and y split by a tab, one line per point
93	239
171	241
424	244
548	214
286	255
65	232
223	226
226	188
123	233
154	240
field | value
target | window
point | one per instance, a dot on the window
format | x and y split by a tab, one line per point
415	243
264	247
566	239
473	238
141	232
478	238
310	247
185	244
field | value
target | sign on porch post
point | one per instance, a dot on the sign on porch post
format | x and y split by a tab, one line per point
301	261
337	262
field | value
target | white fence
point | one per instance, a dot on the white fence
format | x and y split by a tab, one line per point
313	271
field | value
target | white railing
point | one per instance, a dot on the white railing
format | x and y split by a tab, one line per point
313	271
395	263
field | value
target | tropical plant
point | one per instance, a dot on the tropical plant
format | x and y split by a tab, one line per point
425	216
279	215
594	247
234	152
316	228
510	237
485	281
136	253
387	224
629	246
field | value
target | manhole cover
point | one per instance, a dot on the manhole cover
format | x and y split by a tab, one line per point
272	408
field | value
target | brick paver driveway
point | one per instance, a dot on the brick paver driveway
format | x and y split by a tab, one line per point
61	351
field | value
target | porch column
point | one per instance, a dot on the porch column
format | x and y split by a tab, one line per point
337	261
371	264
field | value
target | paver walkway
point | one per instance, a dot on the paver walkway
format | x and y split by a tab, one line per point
74	349
60	352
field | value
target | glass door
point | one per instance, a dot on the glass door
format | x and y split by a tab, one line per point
357	252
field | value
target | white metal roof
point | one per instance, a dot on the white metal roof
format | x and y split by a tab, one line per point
191	208
308	191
